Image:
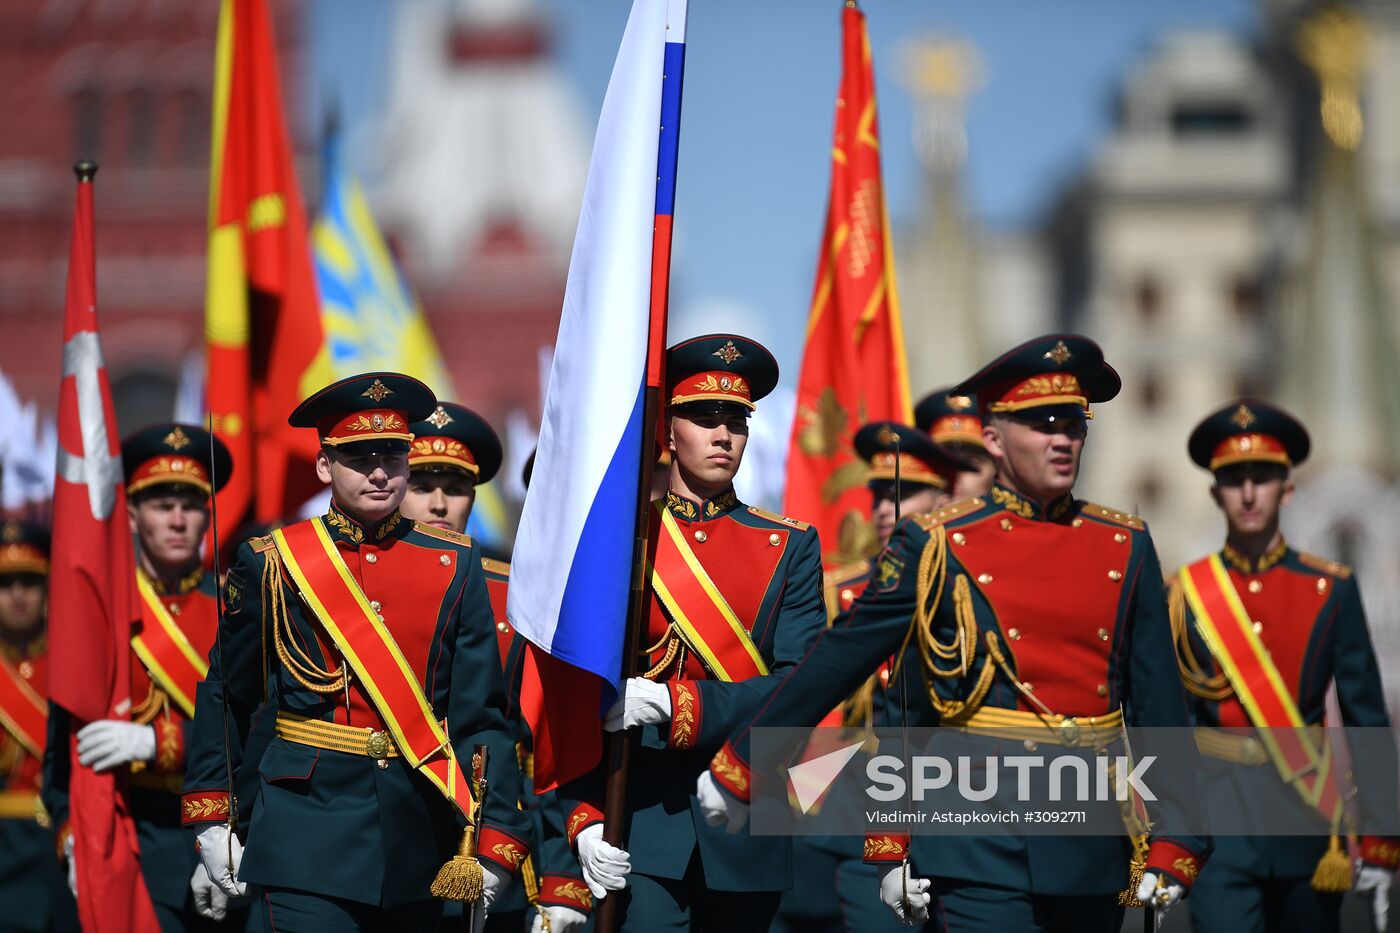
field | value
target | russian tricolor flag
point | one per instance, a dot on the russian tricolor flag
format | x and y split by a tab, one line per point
571	572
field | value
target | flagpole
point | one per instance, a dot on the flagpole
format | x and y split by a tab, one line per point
618	746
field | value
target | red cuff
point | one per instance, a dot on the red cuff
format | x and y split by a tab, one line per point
1167	858
886	847
502	848
1383	851
685	714
170	747
203	806
584	816
565	891
731	772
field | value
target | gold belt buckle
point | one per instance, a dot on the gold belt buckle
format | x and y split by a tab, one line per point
1070	732
377	747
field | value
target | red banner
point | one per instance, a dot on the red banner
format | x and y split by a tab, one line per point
266	346
92	596
853	369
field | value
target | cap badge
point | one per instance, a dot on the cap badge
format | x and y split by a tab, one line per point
887	437
729	353
439	446
177	439
960	402
1243	417
440	418
11	532
377	391
378	422
1059	354
725	383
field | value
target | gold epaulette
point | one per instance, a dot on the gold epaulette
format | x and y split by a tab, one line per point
456	537
1126	519
1335	568
780	519
949	512
261	543
491	565
846	572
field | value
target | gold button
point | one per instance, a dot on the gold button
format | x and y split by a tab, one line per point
1014	634
847	595
1006	524
959	538
1030	687
1321	585
1029	745
444	560
774	540
700	535
1103	634
383	764
1255	586
371	558
1077	522
984	578
1115	575
1102	690
502	627
1120	537
375	605
1258	626
884	676
174	609
26	670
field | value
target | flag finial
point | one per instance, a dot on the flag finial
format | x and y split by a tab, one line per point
85	169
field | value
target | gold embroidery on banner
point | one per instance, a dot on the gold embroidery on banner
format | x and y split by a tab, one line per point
177	439
377	391
822	425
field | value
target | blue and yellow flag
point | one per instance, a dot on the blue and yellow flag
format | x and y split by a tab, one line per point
371	319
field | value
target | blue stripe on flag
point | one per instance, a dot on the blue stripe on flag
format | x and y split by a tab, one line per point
604	556
674	70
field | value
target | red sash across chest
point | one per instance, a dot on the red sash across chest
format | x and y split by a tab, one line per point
739	559
1284	605
171	644
1056	590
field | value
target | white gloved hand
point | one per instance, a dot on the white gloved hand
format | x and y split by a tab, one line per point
1375	881
719	808
561	919
209	901
1162	898
605	866
494	880
640	702
72	866
221	853
908	900
107	743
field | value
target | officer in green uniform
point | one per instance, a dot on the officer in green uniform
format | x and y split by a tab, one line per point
455	451
908	474
172	471
1057	607
372	638
1299	631
735	600
32	885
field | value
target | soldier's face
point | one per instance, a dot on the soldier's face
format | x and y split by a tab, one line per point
170	526
1251	495
919	499
707	448
22	601
367	485
977	481
1035	456
441	499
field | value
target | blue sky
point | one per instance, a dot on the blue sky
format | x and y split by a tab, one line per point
756	121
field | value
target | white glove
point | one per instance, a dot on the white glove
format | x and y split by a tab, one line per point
561	919
605	866
641	702
494	880
221	853
72	866
1375	881
718	808
209	901
107	743
1162	898
905	895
